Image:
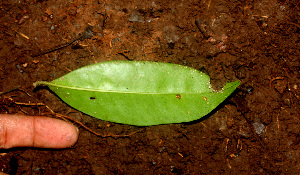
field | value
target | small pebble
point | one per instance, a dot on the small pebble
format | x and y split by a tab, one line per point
259	128
135	17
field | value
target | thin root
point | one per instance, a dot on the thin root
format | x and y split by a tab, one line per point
274	79
66	118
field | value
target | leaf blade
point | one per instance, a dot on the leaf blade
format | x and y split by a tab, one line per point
140	93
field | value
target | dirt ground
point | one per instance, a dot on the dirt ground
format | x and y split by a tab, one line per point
255	131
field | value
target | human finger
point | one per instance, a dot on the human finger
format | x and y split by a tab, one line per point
36	131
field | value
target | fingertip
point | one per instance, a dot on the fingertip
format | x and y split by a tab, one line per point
36	131
54	133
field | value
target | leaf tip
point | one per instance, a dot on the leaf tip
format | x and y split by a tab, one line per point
232	85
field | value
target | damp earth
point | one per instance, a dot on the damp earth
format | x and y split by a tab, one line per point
255	131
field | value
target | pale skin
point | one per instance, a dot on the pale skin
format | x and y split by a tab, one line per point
35	131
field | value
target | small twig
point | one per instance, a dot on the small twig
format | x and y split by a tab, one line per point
104	19
277	123
122	54
88	33
203	28
29	104
13	89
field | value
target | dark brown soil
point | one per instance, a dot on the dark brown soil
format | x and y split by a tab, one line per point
256	131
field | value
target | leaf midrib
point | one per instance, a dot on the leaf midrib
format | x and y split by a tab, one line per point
109	91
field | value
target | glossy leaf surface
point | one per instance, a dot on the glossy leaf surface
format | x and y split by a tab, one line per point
140	93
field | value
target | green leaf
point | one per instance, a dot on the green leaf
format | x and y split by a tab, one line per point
140	93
